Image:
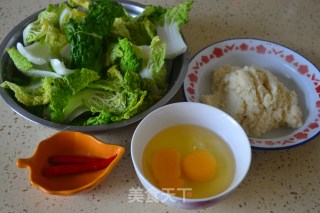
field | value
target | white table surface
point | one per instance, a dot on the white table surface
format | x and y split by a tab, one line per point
278	181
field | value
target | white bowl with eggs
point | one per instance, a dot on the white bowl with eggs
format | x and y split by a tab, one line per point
193	192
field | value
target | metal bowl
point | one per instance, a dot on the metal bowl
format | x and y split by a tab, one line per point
177	69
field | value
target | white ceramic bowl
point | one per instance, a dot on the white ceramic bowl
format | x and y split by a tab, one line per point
291	68
195	114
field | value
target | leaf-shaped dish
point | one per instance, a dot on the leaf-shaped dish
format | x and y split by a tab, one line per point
69	143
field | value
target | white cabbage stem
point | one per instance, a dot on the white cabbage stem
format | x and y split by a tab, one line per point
37	53
59	67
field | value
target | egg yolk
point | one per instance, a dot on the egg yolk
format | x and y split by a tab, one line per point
199	166
166	167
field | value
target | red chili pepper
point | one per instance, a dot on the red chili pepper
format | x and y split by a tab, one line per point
67	159
67	169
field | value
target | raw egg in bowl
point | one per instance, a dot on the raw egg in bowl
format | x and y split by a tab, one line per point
190	155
70	162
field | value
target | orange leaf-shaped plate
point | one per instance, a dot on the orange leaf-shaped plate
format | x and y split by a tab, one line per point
69	143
